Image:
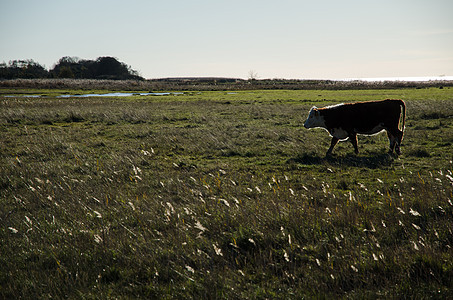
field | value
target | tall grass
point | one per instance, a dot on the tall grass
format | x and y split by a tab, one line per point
213	84
218	195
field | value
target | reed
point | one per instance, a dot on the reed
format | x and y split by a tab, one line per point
214	84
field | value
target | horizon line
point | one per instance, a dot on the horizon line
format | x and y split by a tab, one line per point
366	79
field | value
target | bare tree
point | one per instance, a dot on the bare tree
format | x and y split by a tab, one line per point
253	75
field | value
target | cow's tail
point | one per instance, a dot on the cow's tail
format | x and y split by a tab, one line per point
403	105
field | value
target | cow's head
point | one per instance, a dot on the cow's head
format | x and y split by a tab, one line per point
314	119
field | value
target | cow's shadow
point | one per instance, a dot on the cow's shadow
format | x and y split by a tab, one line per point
369	160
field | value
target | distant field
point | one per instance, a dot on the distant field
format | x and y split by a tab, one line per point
216	84
218	194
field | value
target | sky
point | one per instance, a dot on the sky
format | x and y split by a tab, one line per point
291	39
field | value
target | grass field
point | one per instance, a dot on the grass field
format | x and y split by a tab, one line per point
221	195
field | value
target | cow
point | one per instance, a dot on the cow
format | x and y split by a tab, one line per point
346	120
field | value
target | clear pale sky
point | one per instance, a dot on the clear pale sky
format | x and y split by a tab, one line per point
276	39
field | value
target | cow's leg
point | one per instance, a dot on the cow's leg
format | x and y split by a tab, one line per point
353	139
399	138
392	141
395	138
332	145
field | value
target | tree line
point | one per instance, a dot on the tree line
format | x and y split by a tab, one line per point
70	67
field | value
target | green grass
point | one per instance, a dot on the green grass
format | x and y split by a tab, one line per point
219	195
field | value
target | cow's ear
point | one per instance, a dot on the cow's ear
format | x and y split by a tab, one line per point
315	110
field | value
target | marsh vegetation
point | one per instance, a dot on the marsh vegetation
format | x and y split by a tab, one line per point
221	195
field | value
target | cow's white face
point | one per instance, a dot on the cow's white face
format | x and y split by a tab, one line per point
314	119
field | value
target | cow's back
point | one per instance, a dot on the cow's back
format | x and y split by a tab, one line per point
363	117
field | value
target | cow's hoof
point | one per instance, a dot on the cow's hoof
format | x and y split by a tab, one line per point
393	154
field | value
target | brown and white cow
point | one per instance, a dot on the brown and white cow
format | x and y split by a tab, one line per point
345	121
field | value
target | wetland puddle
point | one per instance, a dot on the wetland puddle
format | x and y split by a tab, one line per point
96	95
119	95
